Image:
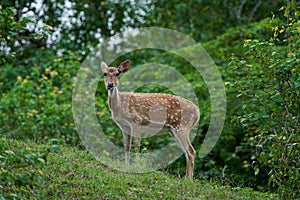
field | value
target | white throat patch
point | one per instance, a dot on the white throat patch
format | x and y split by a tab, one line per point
111	92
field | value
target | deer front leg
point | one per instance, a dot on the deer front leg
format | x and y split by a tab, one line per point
127	143
136	137
136	141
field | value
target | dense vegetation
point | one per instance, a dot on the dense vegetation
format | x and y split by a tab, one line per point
255	45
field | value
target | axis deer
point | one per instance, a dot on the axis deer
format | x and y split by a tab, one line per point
152	112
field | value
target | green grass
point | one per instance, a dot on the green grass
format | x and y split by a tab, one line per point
76	174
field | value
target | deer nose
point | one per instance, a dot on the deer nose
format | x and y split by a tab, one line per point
110	85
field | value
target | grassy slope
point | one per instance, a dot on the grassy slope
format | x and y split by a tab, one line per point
75	174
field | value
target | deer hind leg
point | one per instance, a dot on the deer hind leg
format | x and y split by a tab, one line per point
182	138
190	160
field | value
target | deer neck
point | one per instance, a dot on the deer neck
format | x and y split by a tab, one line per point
114	99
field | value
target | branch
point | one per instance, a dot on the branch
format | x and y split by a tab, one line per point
254	10
239	9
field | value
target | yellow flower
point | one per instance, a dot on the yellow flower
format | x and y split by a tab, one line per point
251	138
104	3
47	70
40	172
291	54
54	73
34	111
28	149
19	78
45	77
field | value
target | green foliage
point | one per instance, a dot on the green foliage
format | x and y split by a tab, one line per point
38	106
15	36
268	87
77	25
229	160
20	168
206	19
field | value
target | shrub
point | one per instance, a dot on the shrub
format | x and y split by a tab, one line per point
268	87
20	167
38	106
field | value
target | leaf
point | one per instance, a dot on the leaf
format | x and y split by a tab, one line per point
256	171
1	197
54	141
49	27
13	195
42	161
244	106
55	148
10	152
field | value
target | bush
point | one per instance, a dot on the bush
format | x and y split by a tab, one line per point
38	106
20	167
268	86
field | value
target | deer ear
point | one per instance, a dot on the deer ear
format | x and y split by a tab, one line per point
124	66
103	66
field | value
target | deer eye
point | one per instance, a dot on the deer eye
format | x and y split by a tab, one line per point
117	74
104	74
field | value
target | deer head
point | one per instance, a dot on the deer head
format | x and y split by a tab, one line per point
111	75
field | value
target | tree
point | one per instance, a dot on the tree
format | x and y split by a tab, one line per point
73	25
205	19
